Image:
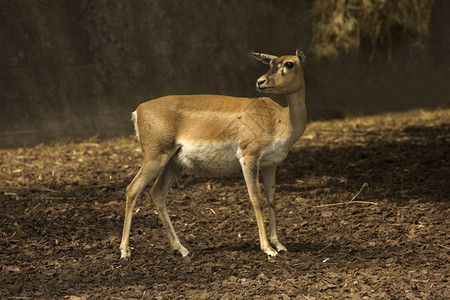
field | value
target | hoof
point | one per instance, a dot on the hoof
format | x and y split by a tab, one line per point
281	248
184	252
125	255
269	251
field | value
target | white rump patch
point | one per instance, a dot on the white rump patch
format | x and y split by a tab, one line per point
134	120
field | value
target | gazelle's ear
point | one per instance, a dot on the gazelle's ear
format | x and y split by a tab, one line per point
264	58
301	57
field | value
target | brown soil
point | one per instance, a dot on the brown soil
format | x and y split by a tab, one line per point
62	210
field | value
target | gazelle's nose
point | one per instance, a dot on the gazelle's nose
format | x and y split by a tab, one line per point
260	82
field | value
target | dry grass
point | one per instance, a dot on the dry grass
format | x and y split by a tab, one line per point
340	25
63	204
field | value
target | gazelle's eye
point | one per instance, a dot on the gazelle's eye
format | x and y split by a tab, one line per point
289	64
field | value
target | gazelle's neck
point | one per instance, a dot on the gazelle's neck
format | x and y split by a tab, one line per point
295	115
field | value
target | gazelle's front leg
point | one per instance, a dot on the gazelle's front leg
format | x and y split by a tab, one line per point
250	168
269	187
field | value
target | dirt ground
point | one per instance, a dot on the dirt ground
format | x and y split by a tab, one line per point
62	210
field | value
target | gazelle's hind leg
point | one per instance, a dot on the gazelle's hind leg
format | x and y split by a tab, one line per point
151	167
159	194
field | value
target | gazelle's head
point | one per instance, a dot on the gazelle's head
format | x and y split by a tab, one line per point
285	75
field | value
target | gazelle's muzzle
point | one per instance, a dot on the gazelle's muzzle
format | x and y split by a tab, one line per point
261	83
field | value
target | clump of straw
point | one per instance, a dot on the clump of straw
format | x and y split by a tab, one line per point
339	25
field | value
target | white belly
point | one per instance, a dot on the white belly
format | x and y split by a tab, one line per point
210	159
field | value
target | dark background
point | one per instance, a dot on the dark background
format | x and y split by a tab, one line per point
78	68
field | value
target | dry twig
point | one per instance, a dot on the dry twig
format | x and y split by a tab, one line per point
351	201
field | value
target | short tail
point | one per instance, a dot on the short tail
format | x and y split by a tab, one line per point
134	120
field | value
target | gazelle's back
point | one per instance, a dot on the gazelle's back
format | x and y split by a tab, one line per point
188	117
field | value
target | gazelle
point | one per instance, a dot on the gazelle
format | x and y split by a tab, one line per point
217	135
